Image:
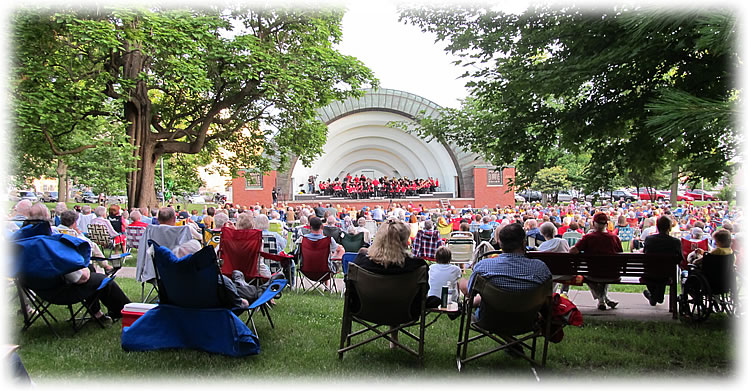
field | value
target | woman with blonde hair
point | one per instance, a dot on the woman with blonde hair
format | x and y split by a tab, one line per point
389	254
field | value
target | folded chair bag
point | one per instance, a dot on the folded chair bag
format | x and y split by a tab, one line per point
190	313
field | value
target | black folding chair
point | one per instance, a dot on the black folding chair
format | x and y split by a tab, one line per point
375	301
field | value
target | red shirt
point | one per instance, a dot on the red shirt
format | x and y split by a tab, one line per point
599	243
138	224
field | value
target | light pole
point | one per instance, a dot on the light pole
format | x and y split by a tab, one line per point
163	194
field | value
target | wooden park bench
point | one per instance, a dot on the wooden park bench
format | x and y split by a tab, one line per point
620	268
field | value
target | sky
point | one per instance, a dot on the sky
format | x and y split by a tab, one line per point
401	56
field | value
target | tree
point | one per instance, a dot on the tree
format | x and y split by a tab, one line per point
191	80
62	116
552	180
605	80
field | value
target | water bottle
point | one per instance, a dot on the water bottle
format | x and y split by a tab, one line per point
445	296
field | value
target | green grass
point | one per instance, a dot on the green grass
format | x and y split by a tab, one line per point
304	342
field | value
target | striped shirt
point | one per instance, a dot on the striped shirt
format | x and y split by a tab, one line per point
512	272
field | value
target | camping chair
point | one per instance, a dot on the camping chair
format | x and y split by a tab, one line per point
41	261
193	310
626	234
211	238
314	264
462	246
133	235
571	237
263	303
512	319
167	236
352	243
485	235
687	246
277	227
240	250
371	226
375	300
99	234
333	232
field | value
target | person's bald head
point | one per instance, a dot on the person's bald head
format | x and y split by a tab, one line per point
23	207
39	211
167	216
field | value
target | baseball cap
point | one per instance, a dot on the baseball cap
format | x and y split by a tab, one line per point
600	218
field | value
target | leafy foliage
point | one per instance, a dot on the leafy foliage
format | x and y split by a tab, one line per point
192	80
609	81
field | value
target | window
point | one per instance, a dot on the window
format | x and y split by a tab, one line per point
253	180
495	177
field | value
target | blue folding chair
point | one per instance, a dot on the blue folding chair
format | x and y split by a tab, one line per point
263	302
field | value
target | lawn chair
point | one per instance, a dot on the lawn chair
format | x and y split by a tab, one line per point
571	237
376	300
687	246
352	243
41	261
314	255
509	318
193	310
211	237
263	303
626	234
133	235
99	234
240	250
485	234
167	236
371	226
462	246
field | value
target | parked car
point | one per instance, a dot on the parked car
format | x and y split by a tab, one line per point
28	195
680	197
87	197
531	195
195	199
625	194
701	195
518	198
116	199
658	195
50	196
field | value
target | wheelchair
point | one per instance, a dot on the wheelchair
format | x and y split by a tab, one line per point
712	288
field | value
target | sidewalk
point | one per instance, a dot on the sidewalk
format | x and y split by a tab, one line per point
631	306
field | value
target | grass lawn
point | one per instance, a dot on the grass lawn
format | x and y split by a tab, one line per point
304	342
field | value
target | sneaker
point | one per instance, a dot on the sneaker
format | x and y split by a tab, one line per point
601	306
611	303
648	295
277	276
105	321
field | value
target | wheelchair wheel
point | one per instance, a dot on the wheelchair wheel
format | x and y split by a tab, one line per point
696	299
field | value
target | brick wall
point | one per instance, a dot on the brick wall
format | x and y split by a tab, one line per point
491	195
244	196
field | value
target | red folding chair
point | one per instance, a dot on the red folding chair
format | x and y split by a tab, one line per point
240	250
314	265
688	245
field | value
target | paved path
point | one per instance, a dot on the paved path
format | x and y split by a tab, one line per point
631	306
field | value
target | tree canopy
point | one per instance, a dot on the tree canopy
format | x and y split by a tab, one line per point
634	88
183	81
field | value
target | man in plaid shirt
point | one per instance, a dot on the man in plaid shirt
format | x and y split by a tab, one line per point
511	271
426	241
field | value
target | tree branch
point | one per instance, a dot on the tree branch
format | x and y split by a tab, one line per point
59	152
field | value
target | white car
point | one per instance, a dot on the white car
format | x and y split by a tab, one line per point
519	198
196	199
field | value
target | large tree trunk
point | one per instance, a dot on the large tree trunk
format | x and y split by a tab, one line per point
140	188
674	185
62	181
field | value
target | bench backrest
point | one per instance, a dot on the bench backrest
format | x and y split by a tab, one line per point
658	266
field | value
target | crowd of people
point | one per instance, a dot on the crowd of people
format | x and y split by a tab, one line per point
398	237
361	187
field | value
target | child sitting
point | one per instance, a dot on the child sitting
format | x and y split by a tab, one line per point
442	273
